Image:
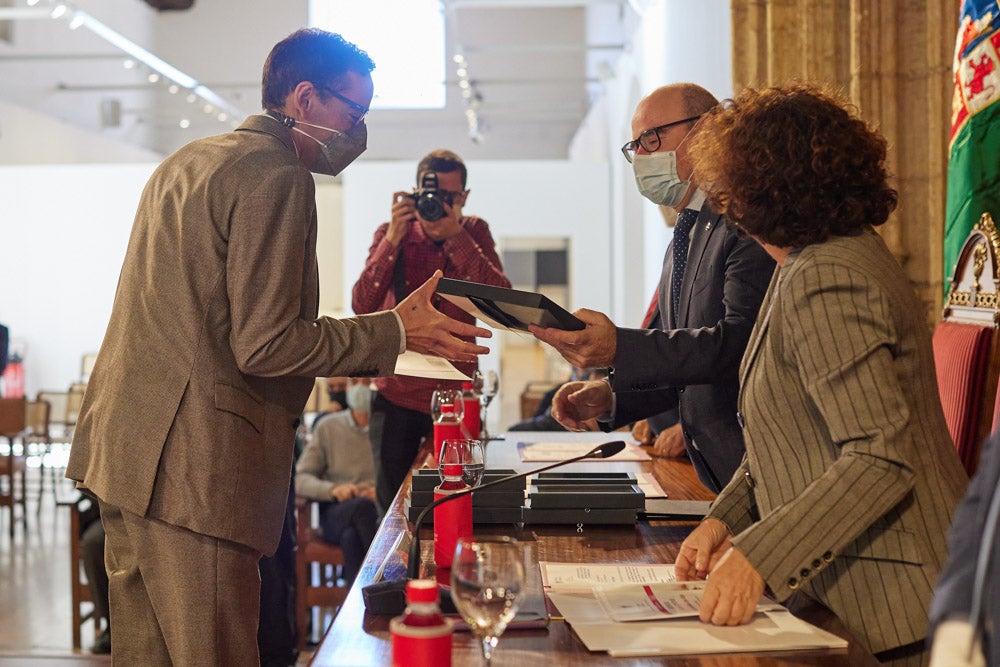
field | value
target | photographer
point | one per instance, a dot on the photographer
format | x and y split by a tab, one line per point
427	232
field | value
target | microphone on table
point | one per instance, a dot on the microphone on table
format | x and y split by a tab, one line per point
389	597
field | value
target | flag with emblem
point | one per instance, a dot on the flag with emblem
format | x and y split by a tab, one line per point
974	145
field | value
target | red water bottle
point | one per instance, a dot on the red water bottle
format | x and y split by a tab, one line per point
421	637
471	419
13	380
452	519
447	427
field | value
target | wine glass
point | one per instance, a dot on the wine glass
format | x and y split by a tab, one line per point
489	386
452	397
470	453
486	579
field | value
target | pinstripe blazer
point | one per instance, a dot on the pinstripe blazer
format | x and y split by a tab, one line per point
213	343
849	465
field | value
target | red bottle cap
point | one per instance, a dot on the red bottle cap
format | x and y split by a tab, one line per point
447	407
467	385
421	590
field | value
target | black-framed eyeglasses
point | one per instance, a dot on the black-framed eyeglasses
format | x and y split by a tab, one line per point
650	139
358	112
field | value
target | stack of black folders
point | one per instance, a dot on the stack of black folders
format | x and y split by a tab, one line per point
502	503
584	498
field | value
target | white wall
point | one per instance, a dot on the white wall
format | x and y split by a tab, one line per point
65	230
27	137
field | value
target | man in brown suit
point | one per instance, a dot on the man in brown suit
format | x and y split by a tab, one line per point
188	424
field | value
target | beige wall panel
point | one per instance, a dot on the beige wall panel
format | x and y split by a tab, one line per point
893	59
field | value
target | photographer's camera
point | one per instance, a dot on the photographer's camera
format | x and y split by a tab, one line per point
430	201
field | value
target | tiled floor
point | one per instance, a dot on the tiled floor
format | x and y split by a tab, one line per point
35	616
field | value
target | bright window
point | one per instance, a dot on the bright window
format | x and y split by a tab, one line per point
405	38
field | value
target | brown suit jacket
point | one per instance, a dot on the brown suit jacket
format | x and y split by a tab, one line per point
214	342
849	464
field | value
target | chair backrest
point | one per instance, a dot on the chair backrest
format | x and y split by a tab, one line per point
966	343
74	401
36	419
12	414
57	401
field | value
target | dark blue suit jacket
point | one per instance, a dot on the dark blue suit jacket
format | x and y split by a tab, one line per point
692	364
954	591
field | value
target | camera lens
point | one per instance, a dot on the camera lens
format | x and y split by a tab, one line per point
430	207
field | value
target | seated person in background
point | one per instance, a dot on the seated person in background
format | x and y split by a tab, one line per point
336	467
543	420
92	542
337	388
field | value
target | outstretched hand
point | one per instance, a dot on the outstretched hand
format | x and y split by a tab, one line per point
577	402
591	347
430	331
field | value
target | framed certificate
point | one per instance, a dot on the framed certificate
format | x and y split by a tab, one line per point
505	308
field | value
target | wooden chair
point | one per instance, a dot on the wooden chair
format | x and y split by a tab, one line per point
57	400
322	588
36	432
966	344
82	603
12	464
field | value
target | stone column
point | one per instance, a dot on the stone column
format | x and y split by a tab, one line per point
893	60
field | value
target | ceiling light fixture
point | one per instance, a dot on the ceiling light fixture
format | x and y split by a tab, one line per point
80	18
473	100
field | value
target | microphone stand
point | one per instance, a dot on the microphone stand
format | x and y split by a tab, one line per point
388	597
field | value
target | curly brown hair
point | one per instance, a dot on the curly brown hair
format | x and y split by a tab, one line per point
793	165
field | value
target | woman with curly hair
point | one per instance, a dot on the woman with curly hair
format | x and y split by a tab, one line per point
850	478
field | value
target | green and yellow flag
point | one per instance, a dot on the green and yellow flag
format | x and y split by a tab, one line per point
974	147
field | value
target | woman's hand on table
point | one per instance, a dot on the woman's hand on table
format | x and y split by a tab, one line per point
702	549
734	587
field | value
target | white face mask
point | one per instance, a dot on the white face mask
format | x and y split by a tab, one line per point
359	397
657	179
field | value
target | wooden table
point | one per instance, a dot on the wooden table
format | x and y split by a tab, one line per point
362	639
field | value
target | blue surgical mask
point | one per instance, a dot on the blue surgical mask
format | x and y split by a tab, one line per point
657	179
359	397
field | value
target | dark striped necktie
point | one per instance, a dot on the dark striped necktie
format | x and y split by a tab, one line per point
682	233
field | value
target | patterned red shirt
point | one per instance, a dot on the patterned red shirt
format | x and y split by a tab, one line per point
470	255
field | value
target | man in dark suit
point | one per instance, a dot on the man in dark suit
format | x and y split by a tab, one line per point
710	291
188	423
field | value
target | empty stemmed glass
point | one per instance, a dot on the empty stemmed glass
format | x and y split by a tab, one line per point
486	385
452	397
487	575
470	453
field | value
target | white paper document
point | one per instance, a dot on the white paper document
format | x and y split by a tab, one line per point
652	602
571	587
584	576
420	365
